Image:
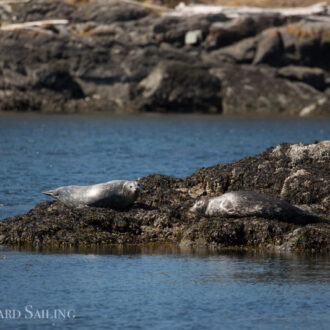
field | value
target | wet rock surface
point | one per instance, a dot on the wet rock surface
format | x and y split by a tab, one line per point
108	53
297	173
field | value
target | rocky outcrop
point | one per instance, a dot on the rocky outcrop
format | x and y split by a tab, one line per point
297	173
176	85
120	57
241	86
231	31
311	76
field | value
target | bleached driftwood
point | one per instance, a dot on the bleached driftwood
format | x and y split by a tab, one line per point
9	2
233	12
146	5
316	18
38	30
34	24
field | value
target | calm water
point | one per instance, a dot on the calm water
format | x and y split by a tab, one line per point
148	289
165	291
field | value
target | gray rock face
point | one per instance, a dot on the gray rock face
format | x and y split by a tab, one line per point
174	86
39	10
296	173
108	12
109	52
173	30
250	89
231	31
269	47
312	76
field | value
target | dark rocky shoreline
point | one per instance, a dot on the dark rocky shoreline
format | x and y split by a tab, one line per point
297	173
123	58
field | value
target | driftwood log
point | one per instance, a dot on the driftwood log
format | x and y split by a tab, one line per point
9	2
321	8
11	27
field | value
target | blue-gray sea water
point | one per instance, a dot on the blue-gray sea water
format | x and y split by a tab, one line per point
157	288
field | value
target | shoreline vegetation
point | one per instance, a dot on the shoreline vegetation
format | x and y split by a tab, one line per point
121	57
296	173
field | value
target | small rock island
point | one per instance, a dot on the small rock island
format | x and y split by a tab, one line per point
296	173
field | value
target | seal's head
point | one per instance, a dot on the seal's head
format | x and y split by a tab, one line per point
200	206
54	193
132	188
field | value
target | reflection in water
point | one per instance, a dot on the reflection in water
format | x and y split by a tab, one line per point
169	287
253	265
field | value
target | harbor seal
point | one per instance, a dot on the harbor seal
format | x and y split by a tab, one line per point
116	194
239	204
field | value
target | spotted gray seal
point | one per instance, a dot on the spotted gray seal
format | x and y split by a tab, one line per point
250	203
116	194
